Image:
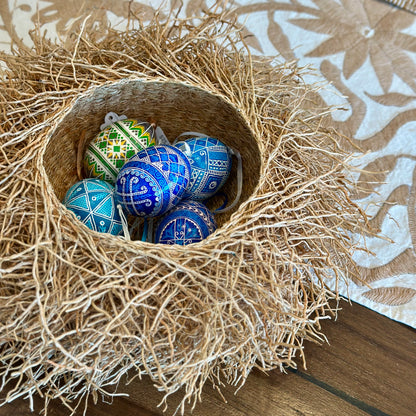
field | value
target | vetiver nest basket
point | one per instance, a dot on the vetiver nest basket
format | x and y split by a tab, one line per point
79	309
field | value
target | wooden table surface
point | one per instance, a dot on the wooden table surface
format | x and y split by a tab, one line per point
369	368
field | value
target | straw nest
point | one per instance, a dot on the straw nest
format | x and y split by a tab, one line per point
78	309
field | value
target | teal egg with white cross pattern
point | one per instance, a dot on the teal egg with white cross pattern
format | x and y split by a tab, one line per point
93	203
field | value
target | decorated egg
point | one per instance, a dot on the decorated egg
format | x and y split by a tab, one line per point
210	166
109	151
93	202
189	222
153	181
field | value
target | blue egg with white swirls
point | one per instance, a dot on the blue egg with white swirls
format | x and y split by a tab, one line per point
153	181
210	166
189	222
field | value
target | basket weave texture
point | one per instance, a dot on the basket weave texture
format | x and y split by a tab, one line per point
78	309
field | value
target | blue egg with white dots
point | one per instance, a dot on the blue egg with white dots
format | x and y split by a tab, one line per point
153	181
189	222
210	166
93	203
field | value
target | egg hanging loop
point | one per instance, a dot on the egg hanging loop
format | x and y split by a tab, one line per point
161	138
111	118
187	150
190	133
237	154
124	222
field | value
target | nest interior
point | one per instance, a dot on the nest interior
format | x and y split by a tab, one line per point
175	107
79	310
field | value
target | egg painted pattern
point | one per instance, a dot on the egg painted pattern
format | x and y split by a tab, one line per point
117	143
153	181
210	166
189	222
93	202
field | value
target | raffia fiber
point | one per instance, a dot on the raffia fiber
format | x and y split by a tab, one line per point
78	309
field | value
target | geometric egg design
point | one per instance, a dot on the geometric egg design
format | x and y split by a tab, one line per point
189	222
153	181
93	202
112	147
210	166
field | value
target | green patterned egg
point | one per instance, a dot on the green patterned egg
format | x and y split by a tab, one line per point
113	146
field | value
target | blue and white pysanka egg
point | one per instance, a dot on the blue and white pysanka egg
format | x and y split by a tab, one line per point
153	181
93	202
210	166
189	222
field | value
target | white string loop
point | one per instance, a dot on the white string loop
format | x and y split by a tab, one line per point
190	133
161	138
124	223
237	154
149	238
111	118
187	150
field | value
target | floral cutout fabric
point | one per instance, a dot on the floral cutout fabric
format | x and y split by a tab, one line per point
366	50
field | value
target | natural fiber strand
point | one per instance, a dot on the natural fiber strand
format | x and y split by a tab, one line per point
79	310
